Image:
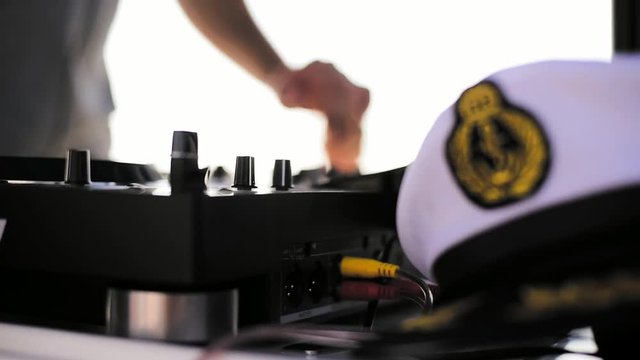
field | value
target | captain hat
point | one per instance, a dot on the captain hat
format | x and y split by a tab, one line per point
526	159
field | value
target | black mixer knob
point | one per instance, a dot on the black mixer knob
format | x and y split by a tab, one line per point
282	175
184	145
244	177
185	176
77	167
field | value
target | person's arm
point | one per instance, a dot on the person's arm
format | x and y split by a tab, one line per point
318	86
229	26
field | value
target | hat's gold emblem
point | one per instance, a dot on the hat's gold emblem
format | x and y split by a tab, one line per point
498	153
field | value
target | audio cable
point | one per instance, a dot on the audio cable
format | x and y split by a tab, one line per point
369	290
402	285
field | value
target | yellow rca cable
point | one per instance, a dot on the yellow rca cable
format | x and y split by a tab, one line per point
367	268
363	268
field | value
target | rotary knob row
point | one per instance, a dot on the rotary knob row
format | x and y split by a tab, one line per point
185	175
244	177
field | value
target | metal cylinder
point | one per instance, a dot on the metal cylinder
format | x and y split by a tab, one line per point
172	316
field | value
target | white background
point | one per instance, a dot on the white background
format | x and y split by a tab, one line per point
415	56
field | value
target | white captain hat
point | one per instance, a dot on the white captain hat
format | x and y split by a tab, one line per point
520	145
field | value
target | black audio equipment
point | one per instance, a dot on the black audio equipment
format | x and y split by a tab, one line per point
72	235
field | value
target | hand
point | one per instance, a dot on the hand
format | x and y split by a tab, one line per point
320	86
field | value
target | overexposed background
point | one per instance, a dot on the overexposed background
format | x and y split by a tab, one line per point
415	56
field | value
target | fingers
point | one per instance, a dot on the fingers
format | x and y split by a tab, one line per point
318	86
343	144
321	87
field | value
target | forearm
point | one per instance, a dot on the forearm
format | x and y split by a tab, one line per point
229	26
319	86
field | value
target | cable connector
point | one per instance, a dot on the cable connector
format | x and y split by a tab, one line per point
358	290
366	268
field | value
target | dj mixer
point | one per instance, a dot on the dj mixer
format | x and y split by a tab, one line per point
113	246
